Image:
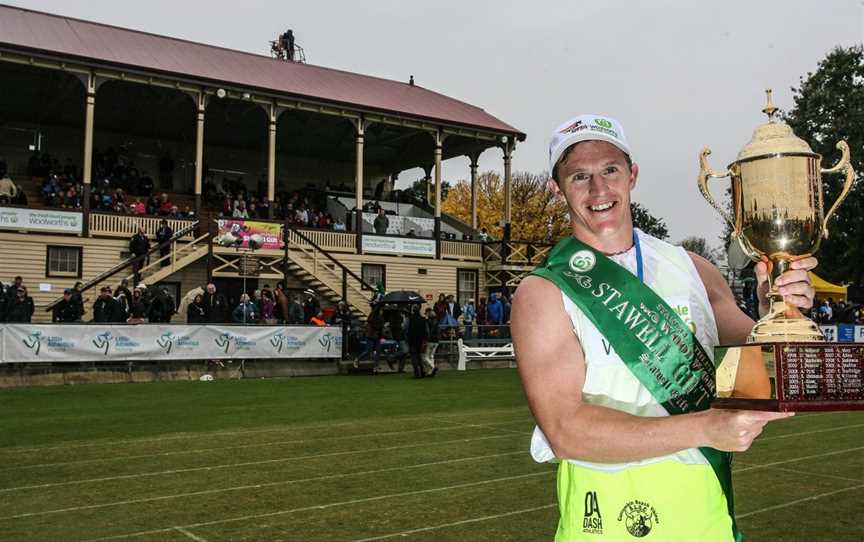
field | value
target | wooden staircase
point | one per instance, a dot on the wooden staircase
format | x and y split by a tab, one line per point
181	255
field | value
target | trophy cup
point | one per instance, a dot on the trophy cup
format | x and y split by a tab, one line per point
778	217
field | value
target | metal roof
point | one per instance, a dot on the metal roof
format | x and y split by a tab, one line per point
89	41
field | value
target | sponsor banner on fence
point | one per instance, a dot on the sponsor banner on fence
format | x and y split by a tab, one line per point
859	334
399	245
243	229
12	218
58	343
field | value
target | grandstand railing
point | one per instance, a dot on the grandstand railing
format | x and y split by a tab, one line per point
327	240
462	250
515	252
118	225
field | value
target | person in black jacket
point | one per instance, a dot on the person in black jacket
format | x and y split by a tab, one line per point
161	306
123	296
163	235
139	308
196	312
20	310
215	305
416	336
106	309
77	300
139	245
65	312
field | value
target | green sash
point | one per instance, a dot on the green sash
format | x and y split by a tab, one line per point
647	334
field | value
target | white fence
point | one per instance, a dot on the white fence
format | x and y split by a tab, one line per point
73	343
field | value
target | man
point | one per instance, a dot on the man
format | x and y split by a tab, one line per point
381	222
417	331
163	235
621	451
311	306
106	309
20	310
139	245
64	311
123	296
215	306
469	314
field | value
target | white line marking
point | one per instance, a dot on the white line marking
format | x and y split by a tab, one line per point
259	445
817	474
798	501
487	426
334	504
796	459
457	523
815	431
299	428
258	486
190	534
247	463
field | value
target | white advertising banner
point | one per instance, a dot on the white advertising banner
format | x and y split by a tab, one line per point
58	343
408	246
859	334
14	218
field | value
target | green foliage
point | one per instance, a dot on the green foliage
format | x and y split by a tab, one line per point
698	245
647	222
829	107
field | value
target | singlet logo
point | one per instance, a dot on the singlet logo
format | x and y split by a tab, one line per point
583	261
592	523
639	517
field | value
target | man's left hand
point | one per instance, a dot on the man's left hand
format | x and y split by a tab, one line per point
794	285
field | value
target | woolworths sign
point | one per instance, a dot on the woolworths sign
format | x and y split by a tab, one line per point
12	218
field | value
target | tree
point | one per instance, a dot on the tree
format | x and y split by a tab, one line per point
647	222
698	245
419	188
829	107
537	215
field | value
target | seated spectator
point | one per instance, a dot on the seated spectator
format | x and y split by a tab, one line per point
339	225
138	207
165	205
240	211
8	190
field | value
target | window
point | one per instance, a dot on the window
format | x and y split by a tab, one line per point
64	262
466	285
373	273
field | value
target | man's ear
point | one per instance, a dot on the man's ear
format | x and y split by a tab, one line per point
634	174
552	186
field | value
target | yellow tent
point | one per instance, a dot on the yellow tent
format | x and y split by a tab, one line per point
825	289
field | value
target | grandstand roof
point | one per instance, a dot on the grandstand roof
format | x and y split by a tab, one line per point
38	32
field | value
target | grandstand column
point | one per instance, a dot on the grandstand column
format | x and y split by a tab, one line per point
474	157
89	115
439	143
507	146
201	100
271	161
360	125
427	180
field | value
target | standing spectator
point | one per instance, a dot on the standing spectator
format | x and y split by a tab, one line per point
163	235
318	320
483	236
106	309
481	317
311	306
417	331
441	307
139	308
495	312
123	297
280	312
139	246
245	312
64	311
469	314
215	305
162	306
453	308
267	307
78	300
20	310
431	341
196	311
381	223
296	313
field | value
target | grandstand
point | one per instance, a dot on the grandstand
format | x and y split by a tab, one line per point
104	108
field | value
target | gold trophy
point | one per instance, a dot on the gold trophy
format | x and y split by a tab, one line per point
778	217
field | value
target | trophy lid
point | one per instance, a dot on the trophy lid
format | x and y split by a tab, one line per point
773	137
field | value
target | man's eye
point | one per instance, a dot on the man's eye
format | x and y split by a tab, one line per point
610	170
581	177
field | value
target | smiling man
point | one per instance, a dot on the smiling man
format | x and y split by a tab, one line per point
614	336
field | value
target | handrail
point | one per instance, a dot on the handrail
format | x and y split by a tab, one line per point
127	262
339	264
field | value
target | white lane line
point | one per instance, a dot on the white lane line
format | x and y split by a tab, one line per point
816	474
457	523
814	432
259	486
245	432
247	463
190	534
796	459
334	504
256	445
798	501
487	426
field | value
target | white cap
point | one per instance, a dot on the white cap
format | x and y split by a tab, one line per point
586	128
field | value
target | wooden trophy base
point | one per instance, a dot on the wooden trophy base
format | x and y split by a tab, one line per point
804	376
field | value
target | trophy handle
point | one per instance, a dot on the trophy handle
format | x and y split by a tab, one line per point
706	173
844	165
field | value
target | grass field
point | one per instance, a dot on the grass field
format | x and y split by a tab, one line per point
351	459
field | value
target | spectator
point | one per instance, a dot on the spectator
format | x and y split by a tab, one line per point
106	309
139	246
295	312
163	235
453	308
280	311
311	306
318	320
495	311
483	236
215	305
246	312
8	190
196	312
267	307
469	314
139	308
431	341
162	306
441	307
124	297
165	204
78	300
20	309
381	222
64	311
417	330
481	317
240	211
138	207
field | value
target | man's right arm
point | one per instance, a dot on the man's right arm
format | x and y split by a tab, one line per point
552	367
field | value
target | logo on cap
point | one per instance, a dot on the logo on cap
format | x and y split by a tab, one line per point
573	128
603	123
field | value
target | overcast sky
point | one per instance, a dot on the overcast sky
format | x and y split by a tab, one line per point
677	74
